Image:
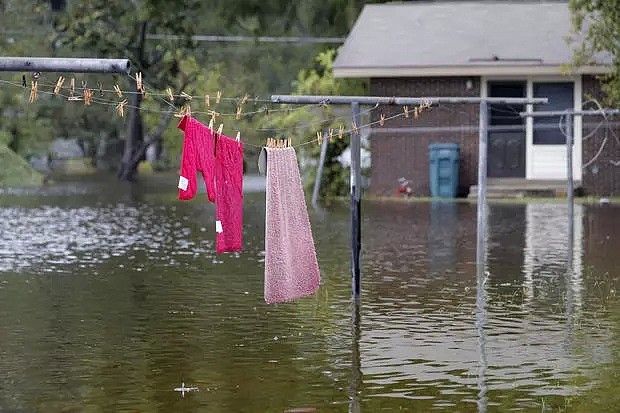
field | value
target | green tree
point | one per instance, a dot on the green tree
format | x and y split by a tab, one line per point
601	21
119	29
302	124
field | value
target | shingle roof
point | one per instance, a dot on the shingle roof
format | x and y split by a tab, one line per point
449	37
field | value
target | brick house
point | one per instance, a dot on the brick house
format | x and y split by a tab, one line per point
479	49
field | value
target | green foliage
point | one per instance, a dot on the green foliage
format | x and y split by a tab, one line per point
302	124
601	21
118	29
15	171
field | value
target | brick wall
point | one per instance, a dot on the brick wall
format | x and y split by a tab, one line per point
399	150
602	177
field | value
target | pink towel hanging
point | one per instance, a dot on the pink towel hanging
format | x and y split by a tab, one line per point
291	267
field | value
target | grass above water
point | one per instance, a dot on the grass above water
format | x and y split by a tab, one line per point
16	171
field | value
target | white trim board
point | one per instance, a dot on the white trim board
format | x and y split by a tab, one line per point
469	70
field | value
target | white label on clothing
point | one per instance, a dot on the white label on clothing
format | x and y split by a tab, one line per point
218	227
183	182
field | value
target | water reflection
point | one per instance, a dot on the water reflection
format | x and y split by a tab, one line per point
356	364
108	304
442	239
481	320
550	249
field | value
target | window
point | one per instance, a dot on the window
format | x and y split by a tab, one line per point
506	116
58	5
546	130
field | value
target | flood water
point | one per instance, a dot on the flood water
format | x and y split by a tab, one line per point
111	296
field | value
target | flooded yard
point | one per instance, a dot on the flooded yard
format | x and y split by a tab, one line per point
112	297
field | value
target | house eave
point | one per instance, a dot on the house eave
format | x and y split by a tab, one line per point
436	71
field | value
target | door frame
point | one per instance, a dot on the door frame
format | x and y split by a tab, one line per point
530	148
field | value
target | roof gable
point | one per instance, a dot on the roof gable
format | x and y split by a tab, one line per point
474	36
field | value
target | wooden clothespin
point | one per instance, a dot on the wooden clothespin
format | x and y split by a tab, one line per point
218	97
120	108
406	110
416	112
185	110
290	144
319	137
355	129
382	119
186	96
207	101
34	90
238	115
211	123
139	84
88	97
341	131
58	86
238	138
330	134
220	128
170	95
118	91
245	98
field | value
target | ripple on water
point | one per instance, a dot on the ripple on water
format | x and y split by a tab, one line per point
48	238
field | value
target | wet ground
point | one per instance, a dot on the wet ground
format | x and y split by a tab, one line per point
111	297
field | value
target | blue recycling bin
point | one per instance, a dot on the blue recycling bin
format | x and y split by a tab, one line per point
444	169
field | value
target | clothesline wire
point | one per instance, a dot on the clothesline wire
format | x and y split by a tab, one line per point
507	109
265	110
345	132
107	102
608	130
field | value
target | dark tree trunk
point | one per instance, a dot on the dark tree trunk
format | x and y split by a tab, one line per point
129	163
135	137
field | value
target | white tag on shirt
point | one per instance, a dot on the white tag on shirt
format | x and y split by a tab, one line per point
183	182
218	227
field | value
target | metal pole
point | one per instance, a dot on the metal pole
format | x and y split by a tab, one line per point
480	257
58	64
482	182
549	113
384	100
356	177
571	228
569	178
319	171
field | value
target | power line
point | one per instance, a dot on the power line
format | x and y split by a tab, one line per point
252	39
214	38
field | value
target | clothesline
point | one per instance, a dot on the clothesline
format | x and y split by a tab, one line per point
124	105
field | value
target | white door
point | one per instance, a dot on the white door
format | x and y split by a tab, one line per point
547	136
